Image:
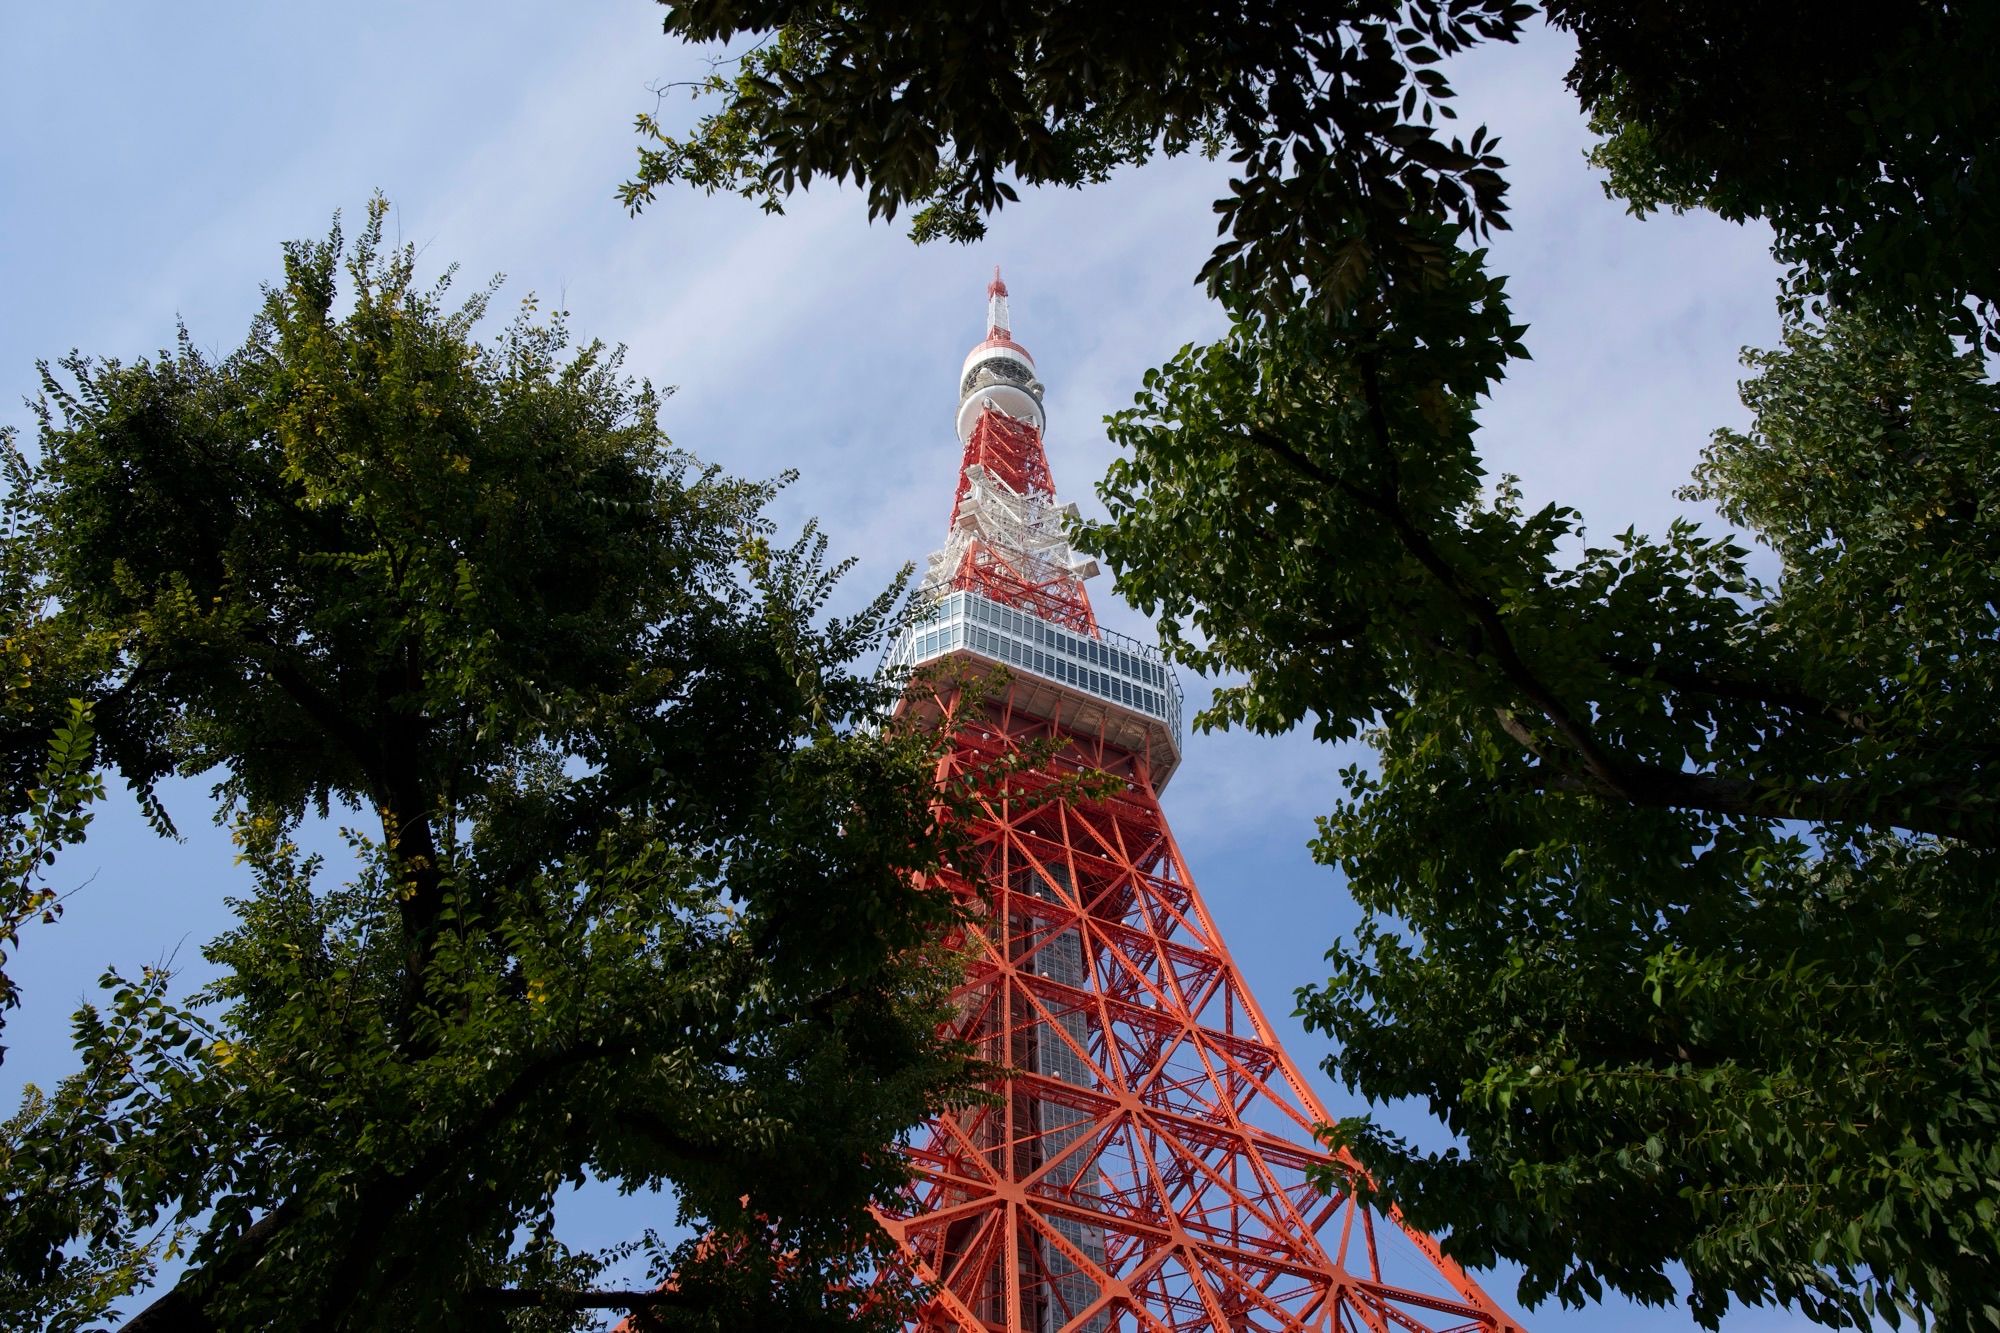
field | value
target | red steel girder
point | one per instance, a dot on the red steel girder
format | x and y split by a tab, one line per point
1145	1163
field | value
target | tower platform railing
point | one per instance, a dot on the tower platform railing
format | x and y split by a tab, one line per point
1111	667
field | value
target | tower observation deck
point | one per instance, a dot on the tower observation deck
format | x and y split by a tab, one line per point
1150	1162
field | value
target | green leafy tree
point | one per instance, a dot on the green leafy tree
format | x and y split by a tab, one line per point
635	896
1677	885
1678	888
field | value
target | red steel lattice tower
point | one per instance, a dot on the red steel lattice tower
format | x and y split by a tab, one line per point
1147	1164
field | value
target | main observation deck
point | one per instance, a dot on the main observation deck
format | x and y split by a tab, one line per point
1110	684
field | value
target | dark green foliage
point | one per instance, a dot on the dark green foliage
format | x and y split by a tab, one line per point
640	900
1596	942
1766	1056
1861	130
1332	116
1678	887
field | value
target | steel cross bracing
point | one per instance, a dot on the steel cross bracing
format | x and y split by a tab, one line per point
1149	1163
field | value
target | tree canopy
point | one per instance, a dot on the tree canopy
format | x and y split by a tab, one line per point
603	753
1678	885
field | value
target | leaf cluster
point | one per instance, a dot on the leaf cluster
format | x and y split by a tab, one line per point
1861	132
1333	118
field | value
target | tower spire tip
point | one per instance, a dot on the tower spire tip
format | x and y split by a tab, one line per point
997	318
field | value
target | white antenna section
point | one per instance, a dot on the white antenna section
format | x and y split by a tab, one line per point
999	323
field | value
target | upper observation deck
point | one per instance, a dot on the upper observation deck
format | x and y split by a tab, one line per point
1110	684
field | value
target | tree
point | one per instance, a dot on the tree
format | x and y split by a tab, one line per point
1679	888
1677	885
466	592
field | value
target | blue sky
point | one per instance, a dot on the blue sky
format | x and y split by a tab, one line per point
152	157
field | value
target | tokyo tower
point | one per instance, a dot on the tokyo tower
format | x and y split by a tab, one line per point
1145	1165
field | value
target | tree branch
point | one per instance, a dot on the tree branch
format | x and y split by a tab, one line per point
1947	810
1500	643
